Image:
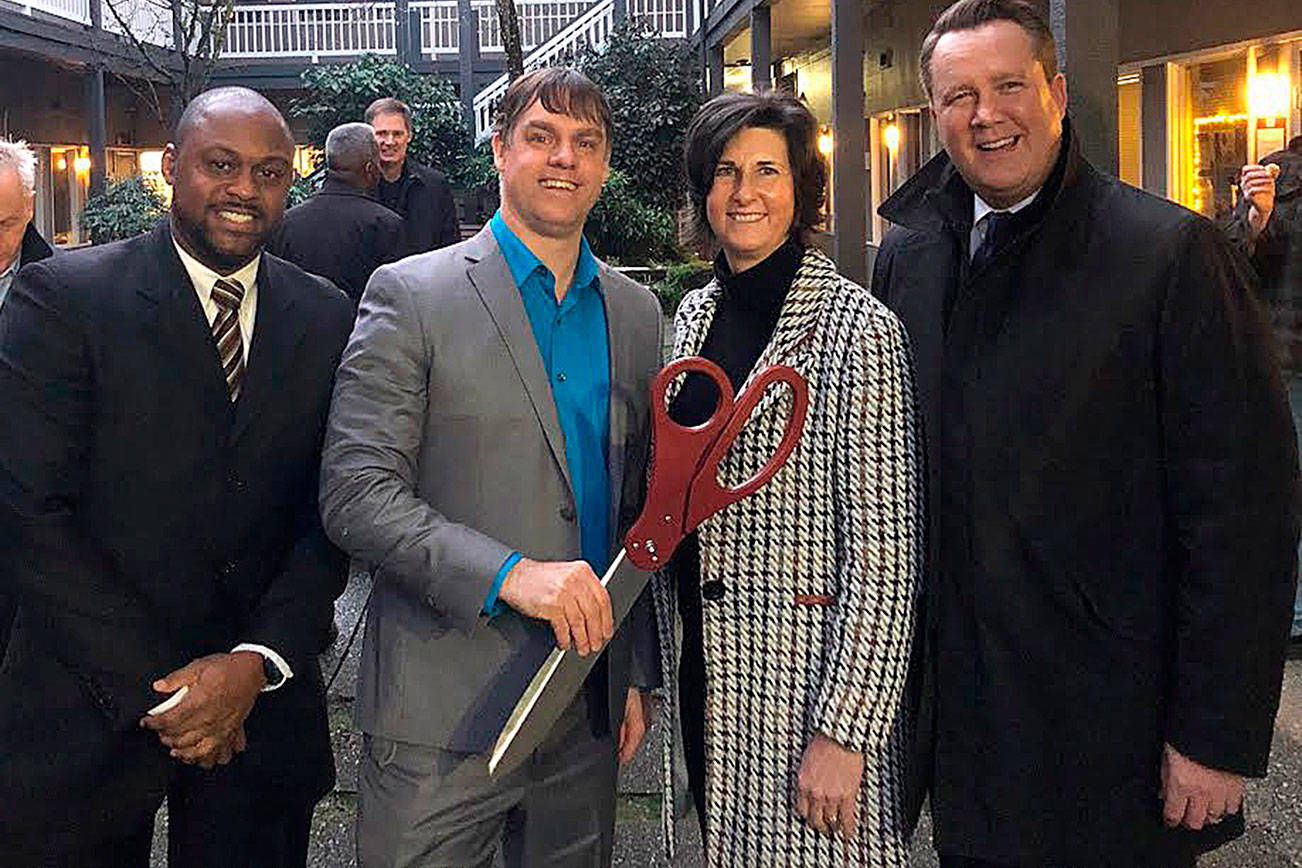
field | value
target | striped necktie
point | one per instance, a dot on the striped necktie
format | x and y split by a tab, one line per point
228	294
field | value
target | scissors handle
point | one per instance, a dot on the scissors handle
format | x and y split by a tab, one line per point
677	452
707	496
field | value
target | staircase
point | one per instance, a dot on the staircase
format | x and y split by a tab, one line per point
592	28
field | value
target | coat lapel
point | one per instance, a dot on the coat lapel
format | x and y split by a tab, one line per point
184	336
623	389
276	335
489	275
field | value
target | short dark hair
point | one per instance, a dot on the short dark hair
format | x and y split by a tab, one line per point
388	105
728	114
561	90
1295	144
971	14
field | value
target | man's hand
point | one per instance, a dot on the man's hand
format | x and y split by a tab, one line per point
1258	186
639	711
207	727
827	790
1195	795
568	595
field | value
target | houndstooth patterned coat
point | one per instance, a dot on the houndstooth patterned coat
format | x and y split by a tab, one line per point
820	569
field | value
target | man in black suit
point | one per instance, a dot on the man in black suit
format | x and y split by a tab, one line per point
342	233
165	400
419	193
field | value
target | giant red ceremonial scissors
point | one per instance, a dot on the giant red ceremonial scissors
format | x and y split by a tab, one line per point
683	490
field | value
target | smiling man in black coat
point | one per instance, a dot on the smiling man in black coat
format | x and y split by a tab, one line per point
165	401
1112	483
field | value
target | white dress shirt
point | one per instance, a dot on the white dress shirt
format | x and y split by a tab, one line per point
980	208
203	279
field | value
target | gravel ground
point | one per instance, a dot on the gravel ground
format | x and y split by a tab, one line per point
1274	838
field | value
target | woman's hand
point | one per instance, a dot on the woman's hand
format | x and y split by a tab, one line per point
827	791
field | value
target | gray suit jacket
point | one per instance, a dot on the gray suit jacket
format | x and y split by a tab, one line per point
443	455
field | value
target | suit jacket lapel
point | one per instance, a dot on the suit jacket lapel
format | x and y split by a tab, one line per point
491	278
184	336
623	389
276	334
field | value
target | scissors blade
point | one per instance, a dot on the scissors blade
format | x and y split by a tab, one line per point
540	707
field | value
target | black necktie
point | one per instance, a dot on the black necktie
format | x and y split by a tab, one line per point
997	225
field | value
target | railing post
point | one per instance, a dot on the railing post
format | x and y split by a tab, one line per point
467	52
97	132
402	31
619	12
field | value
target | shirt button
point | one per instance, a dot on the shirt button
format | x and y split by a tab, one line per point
712	590
561	376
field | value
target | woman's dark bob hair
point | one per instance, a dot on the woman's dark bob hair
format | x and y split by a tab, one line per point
722	118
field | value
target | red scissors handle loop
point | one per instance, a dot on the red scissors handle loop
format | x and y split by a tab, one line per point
683	489
707	496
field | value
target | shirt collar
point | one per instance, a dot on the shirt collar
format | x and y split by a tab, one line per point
980	208
204	277
13	267
523	263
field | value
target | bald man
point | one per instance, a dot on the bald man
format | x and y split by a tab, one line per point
165	398
342	233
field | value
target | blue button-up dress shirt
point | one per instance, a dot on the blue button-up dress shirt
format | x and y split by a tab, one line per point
572	340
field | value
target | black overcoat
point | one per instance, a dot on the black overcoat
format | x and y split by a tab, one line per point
157	524
1112	515
424	198
342	234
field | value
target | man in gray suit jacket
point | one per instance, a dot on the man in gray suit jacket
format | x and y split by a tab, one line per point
488	439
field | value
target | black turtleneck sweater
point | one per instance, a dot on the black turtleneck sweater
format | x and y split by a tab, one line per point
743	323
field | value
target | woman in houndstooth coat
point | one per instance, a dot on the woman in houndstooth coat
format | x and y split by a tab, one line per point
797	603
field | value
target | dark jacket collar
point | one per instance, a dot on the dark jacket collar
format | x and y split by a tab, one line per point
35	248
937	196
335	187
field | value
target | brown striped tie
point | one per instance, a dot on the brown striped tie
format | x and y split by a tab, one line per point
228	294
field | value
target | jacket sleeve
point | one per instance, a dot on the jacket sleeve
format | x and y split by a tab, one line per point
877	498
1231	483
67	586
294	615
369	502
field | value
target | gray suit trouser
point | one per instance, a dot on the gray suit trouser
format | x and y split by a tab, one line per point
422	807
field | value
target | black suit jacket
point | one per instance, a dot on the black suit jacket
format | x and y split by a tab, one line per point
424	199
341	234
157	524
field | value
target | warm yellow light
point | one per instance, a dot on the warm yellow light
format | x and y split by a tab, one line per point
1219	119
60	164
151	162
825	142
82	165
1268	95
891	136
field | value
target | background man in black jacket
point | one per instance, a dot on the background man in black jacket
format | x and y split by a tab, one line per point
1267	224
20	244
342	233
165	400
418	193
1113	476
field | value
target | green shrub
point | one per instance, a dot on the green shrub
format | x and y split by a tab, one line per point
625	230
126	208
653	86
680	279
339	93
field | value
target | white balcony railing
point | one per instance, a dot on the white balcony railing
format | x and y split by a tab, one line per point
312	30
439	26
669	17
149	21
73	10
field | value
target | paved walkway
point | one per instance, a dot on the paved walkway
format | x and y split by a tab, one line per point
1274	838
